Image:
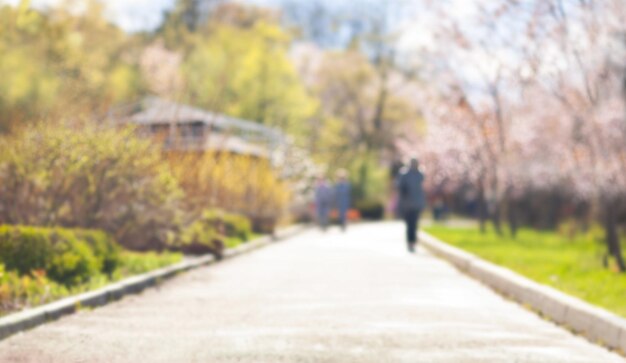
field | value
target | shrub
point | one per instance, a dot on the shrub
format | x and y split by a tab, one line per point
371	209
237	183
264	224
229	224
212	232
199	237
104	246
88	176
18	291
67	256
369	179
238	226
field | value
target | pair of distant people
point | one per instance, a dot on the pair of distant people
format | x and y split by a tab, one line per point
328	196
411	203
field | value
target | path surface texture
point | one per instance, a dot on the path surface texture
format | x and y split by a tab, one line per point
318	297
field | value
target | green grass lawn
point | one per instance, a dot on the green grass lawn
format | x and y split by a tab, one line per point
572	265
135	263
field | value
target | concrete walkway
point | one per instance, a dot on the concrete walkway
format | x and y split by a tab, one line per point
319	297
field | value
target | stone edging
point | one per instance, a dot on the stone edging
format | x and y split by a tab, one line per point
594	323
30	318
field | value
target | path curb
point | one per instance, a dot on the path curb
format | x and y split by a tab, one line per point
596	324
31	318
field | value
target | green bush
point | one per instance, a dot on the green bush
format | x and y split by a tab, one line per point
370	209
369	178
67	256
88	175
199	237
211	233
229	224
104	246
18	291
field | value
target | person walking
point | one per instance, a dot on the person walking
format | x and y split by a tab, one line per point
342	198
412	200
323	201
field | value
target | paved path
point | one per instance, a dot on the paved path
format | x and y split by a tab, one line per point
333	297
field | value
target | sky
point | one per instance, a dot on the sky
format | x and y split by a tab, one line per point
130	15
136	15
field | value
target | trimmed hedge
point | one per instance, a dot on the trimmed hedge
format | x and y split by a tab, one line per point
67	256
212	232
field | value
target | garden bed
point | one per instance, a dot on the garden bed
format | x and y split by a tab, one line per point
19	292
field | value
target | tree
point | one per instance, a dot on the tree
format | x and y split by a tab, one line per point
548	109
61	64
587	84
246	73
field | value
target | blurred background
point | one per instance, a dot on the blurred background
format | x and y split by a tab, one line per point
182	125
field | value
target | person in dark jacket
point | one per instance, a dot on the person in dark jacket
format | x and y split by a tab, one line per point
323	201
412	200
342	197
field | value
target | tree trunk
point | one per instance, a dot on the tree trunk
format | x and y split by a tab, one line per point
482	208
512	215
612	236
496	218
495	204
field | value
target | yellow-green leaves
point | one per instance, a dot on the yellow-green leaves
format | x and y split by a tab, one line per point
58	63
246	72
91	176
27	19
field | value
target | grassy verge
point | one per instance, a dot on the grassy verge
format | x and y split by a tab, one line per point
572	265
19	292
133	263
83	262
233	242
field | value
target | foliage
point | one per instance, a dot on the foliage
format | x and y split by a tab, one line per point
104	247
199	237
246	73
372	209
574	266
370	179
88	176
68	257
236	183
533	125
213	231
573	229
230	224
56	63
134	263
27	290
18	291
361	112
39	265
